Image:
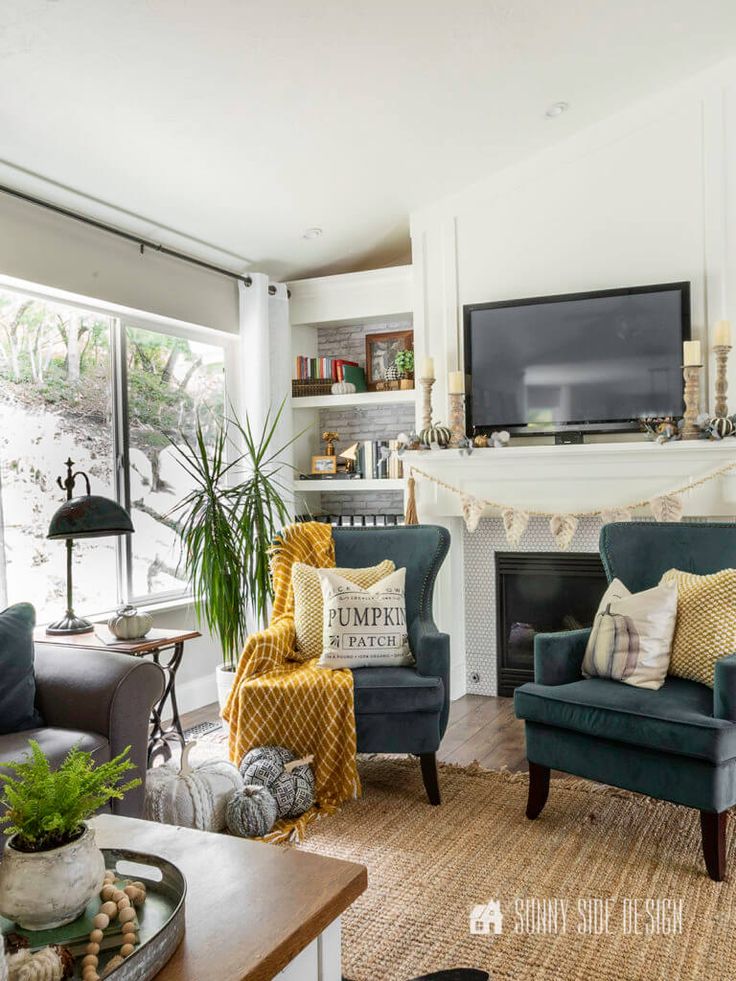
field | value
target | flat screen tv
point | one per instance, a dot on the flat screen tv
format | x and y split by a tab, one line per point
583	361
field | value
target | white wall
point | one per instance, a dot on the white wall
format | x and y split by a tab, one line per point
646	196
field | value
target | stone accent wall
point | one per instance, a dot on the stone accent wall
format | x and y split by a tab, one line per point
375	502
348	340
363	422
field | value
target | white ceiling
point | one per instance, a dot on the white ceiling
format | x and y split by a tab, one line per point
240	124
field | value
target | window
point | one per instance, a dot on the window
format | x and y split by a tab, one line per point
111	393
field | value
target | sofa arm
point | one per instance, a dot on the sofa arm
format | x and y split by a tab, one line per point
724	688
104	692
431	648
558	657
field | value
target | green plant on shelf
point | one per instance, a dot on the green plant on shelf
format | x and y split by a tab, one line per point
47	808
404	362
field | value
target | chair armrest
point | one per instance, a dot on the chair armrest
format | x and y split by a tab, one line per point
558	657
104	692
724	688
431	648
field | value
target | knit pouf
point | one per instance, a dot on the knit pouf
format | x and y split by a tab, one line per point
293	790
251	812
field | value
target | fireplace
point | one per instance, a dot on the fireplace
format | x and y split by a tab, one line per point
540	592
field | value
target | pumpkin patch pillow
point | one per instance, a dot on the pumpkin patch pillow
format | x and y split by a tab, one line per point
631	637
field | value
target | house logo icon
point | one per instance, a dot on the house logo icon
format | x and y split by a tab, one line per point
486	918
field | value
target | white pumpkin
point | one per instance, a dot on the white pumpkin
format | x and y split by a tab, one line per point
191	796
343	388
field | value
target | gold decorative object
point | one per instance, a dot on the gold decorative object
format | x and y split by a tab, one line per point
330	438
426	384
481	441
457	417
691	374
721	352
350	455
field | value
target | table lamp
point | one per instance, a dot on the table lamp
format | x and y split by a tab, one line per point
88	516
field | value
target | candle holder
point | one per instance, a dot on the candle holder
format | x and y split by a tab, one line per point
457	418
691	374
721	384
426	384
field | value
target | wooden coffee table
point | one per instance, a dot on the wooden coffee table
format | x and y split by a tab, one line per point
253	911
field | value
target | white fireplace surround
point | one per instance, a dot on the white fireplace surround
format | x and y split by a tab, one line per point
559	479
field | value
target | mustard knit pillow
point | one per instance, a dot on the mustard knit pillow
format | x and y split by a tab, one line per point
706	622
309	605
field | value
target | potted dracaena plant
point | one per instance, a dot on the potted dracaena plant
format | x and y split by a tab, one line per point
52	867
227	524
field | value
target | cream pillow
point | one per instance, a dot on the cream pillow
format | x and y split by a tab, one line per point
308	604
364	628
706	622
632	634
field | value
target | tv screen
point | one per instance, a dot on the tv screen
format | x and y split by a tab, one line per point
583	361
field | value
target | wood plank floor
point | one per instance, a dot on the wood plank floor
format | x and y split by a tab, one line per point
481	728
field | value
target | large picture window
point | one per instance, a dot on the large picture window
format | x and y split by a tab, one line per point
111	394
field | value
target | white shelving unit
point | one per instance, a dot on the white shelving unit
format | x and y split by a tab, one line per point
373	297
401	396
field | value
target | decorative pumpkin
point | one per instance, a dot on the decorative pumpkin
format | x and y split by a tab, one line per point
436	433
343	388
129	623
721	427
481	441
251	812
290	781
191	796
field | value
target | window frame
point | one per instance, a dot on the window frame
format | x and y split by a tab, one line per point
121	317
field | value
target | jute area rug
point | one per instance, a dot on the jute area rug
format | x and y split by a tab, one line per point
595	853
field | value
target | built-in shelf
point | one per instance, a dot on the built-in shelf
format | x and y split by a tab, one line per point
342	486
401	396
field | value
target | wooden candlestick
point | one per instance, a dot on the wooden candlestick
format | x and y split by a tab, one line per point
691	374
426	384
457	417
721	352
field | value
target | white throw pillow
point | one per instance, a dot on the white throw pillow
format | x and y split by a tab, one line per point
364	628
631	640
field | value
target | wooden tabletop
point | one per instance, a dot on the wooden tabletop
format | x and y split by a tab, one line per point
155	639
250	907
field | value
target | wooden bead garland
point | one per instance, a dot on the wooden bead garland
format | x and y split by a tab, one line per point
116	903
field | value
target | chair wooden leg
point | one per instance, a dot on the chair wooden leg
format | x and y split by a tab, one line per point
428	763
538	790
713	830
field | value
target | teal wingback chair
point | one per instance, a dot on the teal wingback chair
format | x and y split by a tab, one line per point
404	710
676	744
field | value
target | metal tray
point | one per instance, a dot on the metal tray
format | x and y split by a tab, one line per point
161	917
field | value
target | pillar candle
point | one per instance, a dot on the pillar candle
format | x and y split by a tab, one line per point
456	384
723	333
691	353
428	368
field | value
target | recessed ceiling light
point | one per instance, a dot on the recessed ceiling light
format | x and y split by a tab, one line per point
313	232
557	109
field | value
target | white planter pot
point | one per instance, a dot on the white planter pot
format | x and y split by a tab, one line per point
44	890
225	681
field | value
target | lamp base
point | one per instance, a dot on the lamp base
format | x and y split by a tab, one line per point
70	624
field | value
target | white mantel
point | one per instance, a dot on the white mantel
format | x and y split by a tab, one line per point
558	479
575	478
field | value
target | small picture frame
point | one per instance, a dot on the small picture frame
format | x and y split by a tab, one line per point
380	352
324	464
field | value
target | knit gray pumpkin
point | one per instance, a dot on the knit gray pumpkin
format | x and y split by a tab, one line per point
437	433
251	812
293	788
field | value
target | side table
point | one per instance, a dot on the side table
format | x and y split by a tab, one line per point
156	643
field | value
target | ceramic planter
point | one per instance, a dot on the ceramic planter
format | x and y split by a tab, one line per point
44	890
225	681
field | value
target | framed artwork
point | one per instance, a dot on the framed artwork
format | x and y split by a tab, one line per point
380	351
324	464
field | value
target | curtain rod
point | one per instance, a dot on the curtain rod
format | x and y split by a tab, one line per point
143	244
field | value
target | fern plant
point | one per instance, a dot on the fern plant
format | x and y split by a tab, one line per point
46	808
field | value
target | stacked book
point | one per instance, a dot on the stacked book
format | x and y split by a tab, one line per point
320	369
377	460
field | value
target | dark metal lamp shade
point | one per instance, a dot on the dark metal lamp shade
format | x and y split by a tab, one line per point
90	516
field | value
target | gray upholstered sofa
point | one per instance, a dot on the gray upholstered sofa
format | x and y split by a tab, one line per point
98	700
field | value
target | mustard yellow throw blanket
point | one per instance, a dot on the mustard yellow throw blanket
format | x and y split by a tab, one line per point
283	702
